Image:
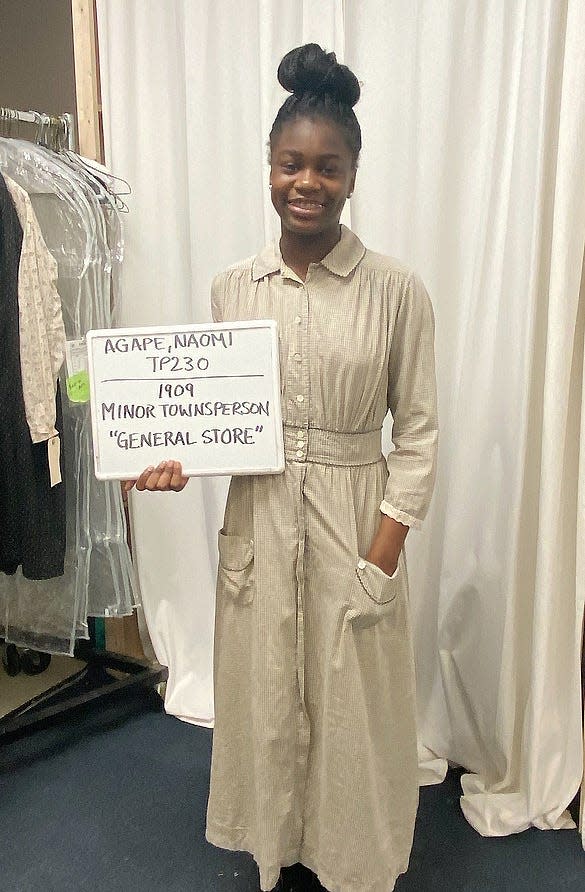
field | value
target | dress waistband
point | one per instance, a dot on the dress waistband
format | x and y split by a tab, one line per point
331	447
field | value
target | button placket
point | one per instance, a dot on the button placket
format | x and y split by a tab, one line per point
298	373
291	385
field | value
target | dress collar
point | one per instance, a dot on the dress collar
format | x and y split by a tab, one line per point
341	260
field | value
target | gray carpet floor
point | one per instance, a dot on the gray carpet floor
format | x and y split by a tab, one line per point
113	798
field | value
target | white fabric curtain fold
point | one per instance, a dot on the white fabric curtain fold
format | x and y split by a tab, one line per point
479	112
473	118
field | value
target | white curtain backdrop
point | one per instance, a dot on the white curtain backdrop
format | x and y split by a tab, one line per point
472	172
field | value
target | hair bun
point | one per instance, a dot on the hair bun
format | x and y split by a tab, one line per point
309	69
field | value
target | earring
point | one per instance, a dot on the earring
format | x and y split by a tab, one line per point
349	194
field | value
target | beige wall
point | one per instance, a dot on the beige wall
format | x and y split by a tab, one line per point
36	56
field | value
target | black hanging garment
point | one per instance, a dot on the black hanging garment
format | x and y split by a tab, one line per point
32	513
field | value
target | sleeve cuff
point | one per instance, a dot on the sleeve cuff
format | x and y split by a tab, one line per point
401	516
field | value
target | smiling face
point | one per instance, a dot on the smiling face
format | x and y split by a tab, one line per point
312	174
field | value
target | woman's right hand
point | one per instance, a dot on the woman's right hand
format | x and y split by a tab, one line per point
166	477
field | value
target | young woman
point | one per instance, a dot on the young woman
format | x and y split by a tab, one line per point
314	751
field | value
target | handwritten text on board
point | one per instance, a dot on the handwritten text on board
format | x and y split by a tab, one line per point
207	396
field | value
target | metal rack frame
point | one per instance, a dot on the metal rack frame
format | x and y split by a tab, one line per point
53	131
95	680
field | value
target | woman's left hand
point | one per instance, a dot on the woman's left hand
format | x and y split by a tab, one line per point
387	545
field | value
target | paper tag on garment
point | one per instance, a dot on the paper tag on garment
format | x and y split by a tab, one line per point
77	371
54	453
78	387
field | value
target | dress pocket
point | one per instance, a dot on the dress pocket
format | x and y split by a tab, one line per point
236	567
374	592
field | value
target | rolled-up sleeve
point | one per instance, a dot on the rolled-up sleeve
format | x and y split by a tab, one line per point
412	400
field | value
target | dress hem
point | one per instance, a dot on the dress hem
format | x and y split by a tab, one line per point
223	837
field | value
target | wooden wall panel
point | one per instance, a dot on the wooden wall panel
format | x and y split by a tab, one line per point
87	86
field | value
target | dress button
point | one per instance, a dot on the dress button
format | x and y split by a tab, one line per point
361	564
300	444
300	398
299	453
298	320
298	357
300	434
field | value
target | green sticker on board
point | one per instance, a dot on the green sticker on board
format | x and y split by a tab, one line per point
78	387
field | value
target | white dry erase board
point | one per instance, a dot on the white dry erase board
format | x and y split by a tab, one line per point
205	395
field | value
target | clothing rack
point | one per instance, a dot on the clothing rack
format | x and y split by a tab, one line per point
53	131
105	672
93	682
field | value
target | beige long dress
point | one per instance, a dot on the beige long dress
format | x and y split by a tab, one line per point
314	749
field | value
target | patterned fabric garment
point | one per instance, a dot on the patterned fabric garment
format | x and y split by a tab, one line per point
32	512
314	750
42	334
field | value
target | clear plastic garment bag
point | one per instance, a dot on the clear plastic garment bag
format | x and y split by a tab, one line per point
81	227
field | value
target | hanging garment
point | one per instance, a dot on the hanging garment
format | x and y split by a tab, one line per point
314	749
32	512
81	228
41	330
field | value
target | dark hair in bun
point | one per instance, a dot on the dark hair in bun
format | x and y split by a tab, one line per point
321	88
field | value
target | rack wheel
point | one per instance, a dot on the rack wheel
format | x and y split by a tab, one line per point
33	662
11	659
